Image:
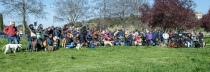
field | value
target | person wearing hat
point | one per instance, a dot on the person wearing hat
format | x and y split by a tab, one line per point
30	38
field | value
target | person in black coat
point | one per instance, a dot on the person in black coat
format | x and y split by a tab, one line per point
200	36
89	39
40	33
30	38
46	33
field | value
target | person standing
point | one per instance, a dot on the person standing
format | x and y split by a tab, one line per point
165	37
30	38
11	32
40	37
149	38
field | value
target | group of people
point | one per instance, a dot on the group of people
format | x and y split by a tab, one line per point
71	36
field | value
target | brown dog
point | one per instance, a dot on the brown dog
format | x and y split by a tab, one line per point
64	42
44	43
50	48
172	45
70	35
107	42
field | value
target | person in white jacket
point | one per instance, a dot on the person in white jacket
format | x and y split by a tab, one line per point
165	37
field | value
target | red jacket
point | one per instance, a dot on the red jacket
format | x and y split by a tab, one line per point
136	38
11	31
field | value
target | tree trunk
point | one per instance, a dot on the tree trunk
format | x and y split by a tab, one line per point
1	22
24	17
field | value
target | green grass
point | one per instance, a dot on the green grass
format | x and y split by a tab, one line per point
108	59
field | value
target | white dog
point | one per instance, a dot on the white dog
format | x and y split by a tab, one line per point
79	46
12	46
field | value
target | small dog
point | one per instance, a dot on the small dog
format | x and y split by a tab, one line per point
44	43
79	46
107	42
64	42
138	42
180	45
50	48
204	44
13	46
172	46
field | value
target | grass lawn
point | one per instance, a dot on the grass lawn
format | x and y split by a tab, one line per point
106	59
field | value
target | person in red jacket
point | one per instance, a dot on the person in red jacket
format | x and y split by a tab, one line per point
11	32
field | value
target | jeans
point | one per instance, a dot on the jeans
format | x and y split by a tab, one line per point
165	42
29	45
70	45
10	39
49	43
187	44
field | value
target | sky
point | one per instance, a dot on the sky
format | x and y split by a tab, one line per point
202	6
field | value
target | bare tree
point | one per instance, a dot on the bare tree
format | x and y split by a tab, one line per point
70	10
23	8
124	8
102	9
120	9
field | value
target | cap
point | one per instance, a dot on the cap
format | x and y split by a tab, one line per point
31	25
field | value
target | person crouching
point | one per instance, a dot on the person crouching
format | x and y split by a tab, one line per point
49	43
69	41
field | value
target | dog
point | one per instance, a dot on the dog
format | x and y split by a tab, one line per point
160	43
180	45
50	48
34	45
79	46
107	42
13	46
64	39
56	42
64	42
204	44
44	43
172	45
137	41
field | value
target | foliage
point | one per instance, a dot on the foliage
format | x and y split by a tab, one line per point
206	21
169	14
104	59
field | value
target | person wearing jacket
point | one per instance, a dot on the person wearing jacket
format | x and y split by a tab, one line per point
40	29
11	32
89	39
30	38
49	41
154	37
76	39
165	37
40	37
46	33
129	40
69	41
149	38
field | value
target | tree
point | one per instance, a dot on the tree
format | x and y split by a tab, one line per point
1	22
108	9
169	14
70	10
206	21
124	8
23	9
102	11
